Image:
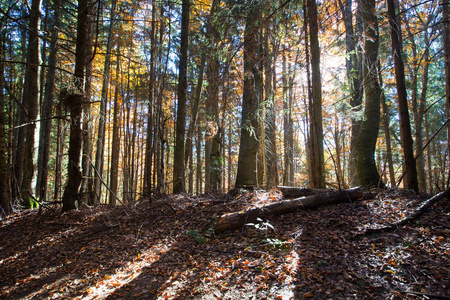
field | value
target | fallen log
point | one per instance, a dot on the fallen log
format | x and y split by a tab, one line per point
424	207
237	220
292	192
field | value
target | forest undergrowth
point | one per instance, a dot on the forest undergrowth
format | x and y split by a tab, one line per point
166	249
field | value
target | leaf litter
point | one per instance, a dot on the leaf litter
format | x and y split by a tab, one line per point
166	250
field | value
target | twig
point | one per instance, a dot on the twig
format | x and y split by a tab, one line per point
431	296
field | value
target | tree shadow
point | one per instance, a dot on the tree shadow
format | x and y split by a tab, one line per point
63	254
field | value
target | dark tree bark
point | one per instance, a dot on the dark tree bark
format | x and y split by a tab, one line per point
5	196
317	163
367	173
87	183
179	162
75	104
405	125
246	173
31	96
446	33
115	144
211	136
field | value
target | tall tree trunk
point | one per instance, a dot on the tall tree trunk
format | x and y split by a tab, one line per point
150	124
316	127
421	171
101	138
387	130
58	165
47	108
308	103
419	101
353	76
387	136
87	183
115	144
422	118
75	104
446	33
193	124
367	173
31	96
286	129
5	196
405	125
212	110
291	80
198	183
246	173
270	123
179	162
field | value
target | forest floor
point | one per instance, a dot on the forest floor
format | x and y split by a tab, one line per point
166	250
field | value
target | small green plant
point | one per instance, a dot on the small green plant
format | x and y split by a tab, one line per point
200	238
275	243
262	225
31	203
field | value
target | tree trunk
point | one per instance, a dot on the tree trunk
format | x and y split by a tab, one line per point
446	40
291	178
367	173
287	161
270	123
353	76
115	144
215	170
47	108
58	166
238	220
387	137
292	192
317	163
75	104
246	173
421	171
31	96
5	196
101	138
198	183
405	125
150	124
193	124
87	183
178	159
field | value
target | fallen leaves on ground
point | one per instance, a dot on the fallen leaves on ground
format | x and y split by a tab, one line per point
166	250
